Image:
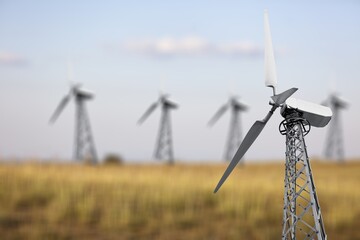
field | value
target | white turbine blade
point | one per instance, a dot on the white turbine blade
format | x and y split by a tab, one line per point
59	108
249	139
218	114
253	133
270	68
148	112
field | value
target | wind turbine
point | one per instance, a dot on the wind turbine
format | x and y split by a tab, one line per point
334	148
302	218
164	143
84	146
234	137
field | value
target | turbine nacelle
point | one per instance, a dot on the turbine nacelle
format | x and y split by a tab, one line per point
83	94
165	102
316	114
236	104
336	101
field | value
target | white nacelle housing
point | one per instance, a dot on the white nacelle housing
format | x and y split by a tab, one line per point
85	93
317	115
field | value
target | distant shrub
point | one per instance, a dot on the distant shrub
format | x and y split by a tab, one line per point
113	159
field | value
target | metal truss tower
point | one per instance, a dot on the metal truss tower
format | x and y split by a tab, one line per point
234	135
302	217
164	146
84	146
334	147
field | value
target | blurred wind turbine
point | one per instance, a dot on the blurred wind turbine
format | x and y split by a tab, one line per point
334	147
235	133
84	146
164	143
302	218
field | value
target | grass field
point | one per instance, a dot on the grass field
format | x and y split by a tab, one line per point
45	201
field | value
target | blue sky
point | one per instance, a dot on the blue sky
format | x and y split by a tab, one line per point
198	51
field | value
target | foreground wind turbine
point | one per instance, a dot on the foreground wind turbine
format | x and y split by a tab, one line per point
84	146
235	136
302	218
334	148
164	144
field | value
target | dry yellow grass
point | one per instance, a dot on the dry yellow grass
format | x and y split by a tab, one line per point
40	201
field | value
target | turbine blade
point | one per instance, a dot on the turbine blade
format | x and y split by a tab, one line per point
249	139
282	97
218	114
59	108
270	67
148	112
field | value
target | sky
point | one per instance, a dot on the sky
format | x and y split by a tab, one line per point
199	52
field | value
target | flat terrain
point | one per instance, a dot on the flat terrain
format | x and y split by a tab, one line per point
48	201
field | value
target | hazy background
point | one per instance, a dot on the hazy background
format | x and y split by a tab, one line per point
198	51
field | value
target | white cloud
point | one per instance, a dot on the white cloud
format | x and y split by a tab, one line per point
7	58
241	49
168	46
191	46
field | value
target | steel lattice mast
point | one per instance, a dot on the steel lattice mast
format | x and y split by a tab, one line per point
334	147
164	143
302	217
84	146
164	146
234	135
